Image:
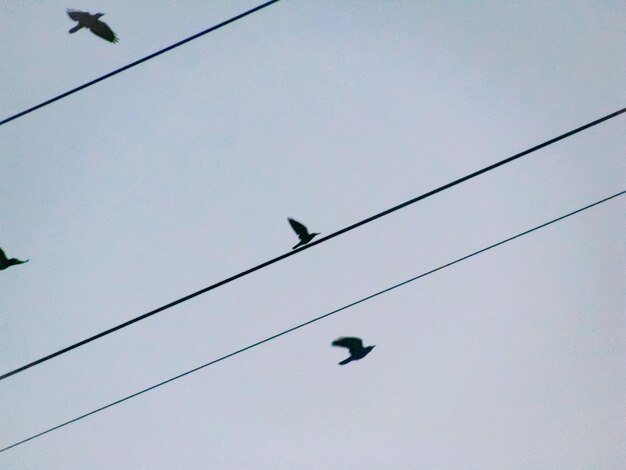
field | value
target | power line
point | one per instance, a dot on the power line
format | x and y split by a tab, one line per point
301	325
137	62
321	240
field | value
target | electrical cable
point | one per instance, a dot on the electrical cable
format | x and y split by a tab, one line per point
137	62
311	244
326	315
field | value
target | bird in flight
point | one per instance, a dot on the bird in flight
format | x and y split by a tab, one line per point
6	262
302	232
92	22
355	346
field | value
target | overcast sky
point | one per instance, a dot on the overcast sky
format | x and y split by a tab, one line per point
183	171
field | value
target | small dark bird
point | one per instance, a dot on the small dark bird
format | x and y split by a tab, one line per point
302	232
92	22
355	346
6	262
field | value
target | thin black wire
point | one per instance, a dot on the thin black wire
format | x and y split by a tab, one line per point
321	240
137	62
364	299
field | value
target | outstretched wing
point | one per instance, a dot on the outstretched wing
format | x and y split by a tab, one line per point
78	15
3	257
99	28
297	227
353	344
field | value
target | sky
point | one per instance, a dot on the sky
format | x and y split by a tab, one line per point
182	171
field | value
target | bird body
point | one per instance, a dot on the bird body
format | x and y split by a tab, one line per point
355	346
93	23
302	232
8	262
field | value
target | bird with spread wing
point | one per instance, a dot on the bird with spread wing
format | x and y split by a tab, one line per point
93	23
355	346
8	262
302	232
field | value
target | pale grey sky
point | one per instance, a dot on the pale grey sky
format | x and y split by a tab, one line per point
183	171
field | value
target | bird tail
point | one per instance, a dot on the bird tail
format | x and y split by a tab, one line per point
345	361
74	29
298	245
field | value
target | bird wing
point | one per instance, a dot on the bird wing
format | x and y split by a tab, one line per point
78	15
297	227
3	257
353	344
100	28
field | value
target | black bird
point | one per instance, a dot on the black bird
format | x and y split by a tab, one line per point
302	232
355	346
6	262
92	22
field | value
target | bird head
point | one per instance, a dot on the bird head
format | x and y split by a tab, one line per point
98	15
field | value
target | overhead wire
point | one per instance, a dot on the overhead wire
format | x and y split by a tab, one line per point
137	62
309	322
310	245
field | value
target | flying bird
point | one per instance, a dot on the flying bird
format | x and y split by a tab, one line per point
92	22
355	346
302	232
6	262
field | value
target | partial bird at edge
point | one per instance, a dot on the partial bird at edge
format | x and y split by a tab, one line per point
302	232
8	262
355	346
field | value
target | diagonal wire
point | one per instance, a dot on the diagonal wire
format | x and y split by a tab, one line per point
321	240
137	62
302	325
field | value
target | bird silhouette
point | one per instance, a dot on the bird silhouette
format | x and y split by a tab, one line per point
92	22
302	232
6	262
355	346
